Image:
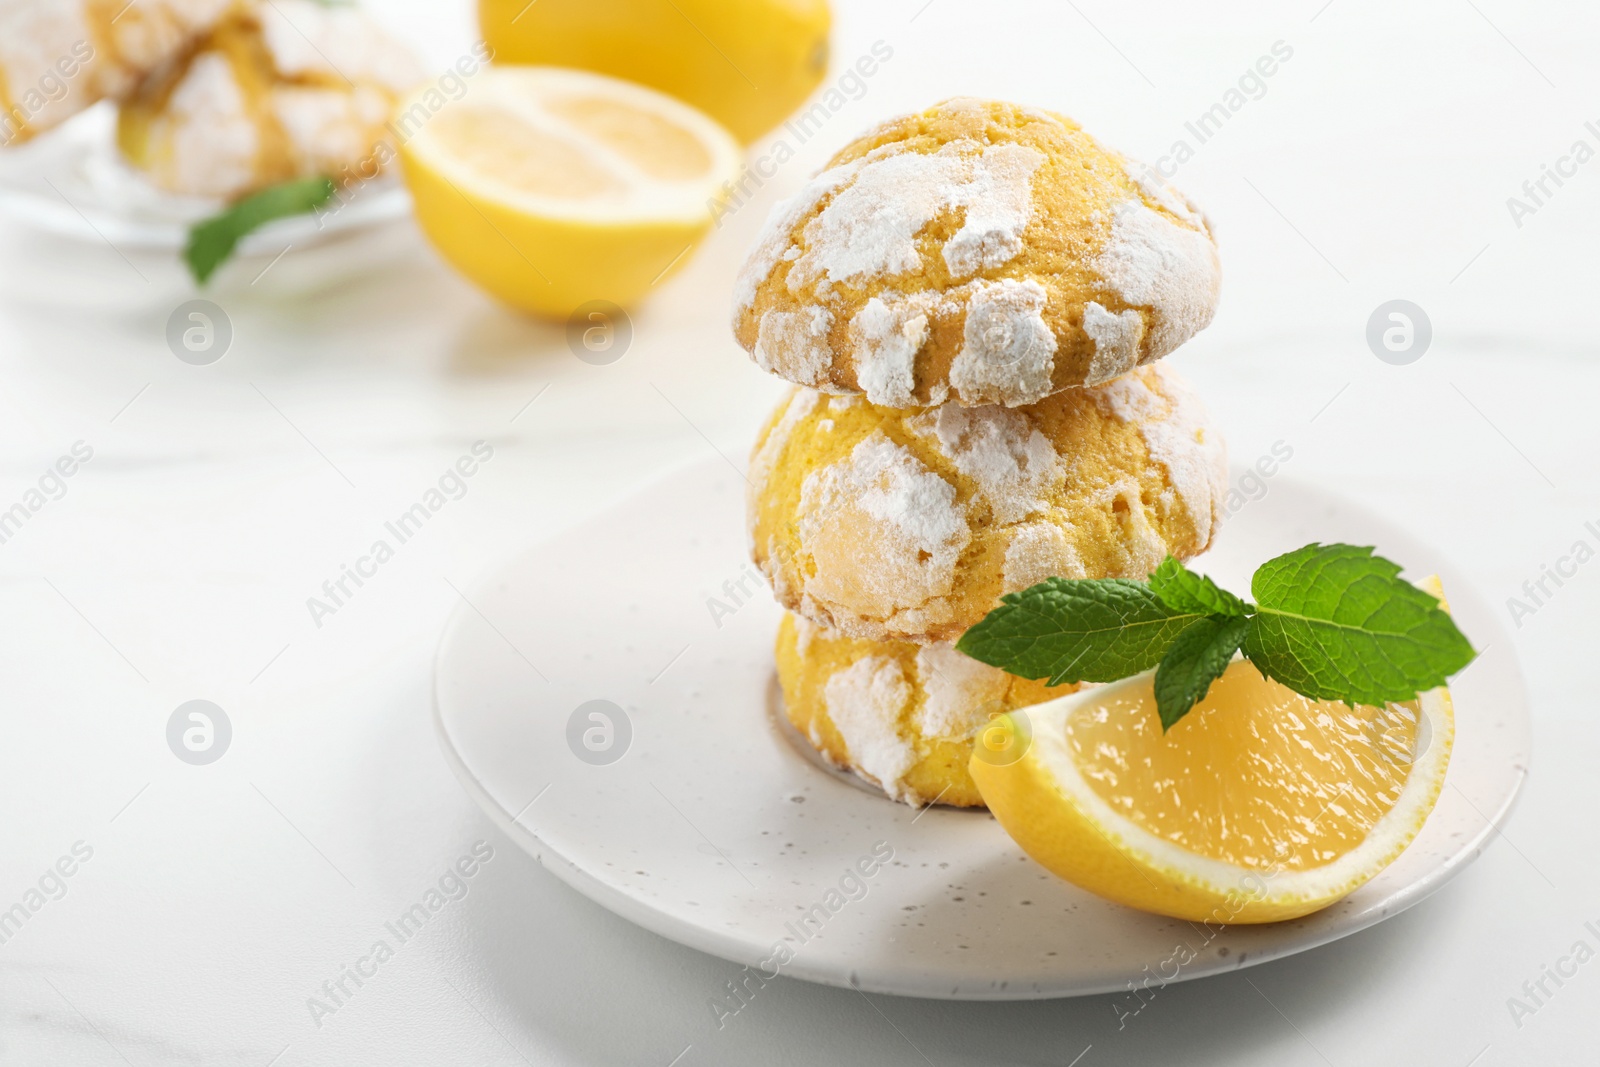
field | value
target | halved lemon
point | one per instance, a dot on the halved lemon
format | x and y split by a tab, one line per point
553	188
1259	805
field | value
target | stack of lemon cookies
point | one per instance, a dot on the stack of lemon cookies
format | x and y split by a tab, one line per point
970	302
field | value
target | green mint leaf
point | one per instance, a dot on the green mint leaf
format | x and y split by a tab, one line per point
212	242
1196	659
1077	630
1335	622
1184	590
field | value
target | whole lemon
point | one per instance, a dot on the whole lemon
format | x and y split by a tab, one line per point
747	63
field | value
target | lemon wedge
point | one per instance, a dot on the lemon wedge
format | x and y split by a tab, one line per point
552	188
1259	805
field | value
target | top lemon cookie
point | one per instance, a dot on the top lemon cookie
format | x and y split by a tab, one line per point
980	252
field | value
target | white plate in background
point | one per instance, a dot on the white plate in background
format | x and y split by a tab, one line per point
72	182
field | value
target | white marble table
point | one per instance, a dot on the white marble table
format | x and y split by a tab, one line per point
208	904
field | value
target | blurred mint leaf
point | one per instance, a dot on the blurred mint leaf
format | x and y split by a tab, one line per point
1184	590
213	241
1335	622
1066	630
1196	659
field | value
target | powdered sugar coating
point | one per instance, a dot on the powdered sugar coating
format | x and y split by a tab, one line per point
773	243
887	334
794	345
858	718
1116	341
806	632
34	37
998	198
1008	351
289	89
1039	550
339	43
106	52
1012	463
209	136
1175	433
146	34
330	129
1157	188
215	141
884	531
1153	262
869	229
865	702
960	694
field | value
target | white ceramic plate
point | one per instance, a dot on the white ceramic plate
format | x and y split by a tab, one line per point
71	182
709	828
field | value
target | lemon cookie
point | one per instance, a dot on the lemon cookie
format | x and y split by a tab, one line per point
57	57
287	90
980	252
886	523
900	714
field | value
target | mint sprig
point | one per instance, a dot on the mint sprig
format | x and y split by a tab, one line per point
1184	590
212	242
1195	660
1335	622
1331	622
1066	630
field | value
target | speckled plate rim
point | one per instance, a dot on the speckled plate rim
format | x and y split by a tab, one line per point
1250	945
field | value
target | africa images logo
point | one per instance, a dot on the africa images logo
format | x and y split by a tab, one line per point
452	485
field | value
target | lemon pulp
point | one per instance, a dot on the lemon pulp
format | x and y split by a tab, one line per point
553	189
502	147
1255	775
656	145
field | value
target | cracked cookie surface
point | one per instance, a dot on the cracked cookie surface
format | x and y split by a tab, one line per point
979	252
885	523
